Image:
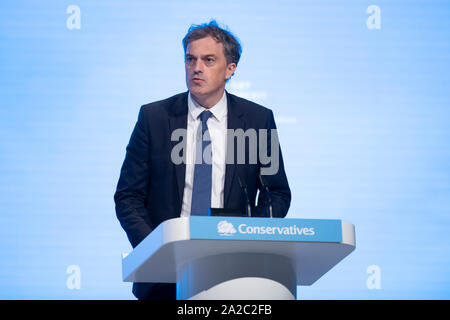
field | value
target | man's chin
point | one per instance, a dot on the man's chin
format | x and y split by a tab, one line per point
198	92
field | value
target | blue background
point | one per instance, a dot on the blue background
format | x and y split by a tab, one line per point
363	117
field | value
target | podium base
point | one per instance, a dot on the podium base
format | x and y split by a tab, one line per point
243	276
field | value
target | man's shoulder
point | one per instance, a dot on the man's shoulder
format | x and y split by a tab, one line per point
166	105
178	103
248	107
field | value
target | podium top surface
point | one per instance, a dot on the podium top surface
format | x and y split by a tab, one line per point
313	245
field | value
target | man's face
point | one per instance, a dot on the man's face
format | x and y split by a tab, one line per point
206	68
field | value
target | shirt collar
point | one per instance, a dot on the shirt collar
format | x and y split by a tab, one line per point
219	110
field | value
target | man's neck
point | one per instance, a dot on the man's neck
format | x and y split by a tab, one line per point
209	101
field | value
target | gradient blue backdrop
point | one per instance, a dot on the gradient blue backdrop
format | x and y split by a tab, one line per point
363	117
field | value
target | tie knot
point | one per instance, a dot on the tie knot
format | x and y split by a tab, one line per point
205	115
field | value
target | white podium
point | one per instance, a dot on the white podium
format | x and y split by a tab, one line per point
234	258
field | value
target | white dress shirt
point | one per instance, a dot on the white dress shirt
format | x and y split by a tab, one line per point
217	126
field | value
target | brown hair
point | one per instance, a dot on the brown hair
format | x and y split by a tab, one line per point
231	46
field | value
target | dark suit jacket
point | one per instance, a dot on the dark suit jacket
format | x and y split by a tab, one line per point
150	187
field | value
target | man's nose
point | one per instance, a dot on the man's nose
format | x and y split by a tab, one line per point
198	66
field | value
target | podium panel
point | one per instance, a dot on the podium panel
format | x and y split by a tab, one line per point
239	257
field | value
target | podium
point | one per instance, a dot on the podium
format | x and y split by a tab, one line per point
234	258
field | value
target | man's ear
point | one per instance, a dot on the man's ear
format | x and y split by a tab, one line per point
231	68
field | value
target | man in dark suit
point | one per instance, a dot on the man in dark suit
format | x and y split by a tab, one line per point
155	186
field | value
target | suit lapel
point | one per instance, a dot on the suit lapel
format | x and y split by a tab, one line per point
235	120
178	120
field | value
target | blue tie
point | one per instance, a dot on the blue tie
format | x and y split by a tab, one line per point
201	187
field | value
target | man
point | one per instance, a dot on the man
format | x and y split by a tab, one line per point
155	186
